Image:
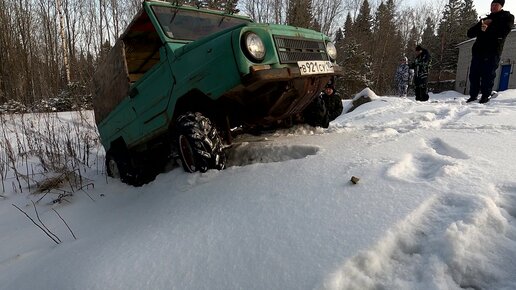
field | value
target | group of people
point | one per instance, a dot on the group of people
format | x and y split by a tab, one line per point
490	33
416	71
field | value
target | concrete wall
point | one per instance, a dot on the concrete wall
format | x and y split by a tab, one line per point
508	57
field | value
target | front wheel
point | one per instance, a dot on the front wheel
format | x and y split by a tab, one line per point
199	144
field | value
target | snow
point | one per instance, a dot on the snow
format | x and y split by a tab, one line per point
435	208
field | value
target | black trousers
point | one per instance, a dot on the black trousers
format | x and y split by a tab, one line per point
482	74
421	89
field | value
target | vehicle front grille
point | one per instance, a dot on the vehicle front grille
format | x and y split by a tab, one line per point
292	50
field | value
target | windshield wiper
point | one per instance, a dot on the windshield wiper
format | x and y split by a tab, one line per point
221	20
173	16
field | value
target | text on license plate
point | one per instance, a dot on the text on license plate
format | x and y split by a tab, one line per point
311	67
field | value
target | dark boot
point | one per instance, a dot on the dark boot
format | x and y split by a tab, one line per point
471	99
484	99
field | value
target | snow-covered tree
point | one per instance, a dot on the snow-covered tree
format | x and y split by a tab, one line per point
457	17
387	48
357	67
362	27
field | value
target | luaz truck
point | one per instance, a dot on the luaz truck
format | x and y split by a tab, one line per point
180	79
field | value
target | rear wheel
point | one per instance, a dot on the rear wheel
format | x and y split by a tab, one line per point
119	164
112	166
199	144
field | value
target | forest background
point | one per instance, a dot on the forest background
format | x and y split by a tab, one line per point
49	49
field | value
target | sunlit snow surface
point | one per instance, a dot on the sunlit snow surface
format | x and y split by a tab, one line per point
435	208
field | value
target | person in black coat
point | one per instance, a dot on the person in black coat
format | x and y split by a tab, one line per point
332	101
490	32
421	66
324	108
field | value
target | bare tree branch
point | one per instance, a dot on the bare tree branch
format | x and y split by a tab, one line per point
73	235
46	233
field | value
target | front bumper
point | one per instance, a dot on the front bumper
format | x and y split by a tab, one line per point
261	75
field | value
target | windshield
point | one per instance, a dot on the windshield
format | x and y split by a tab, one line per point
192	25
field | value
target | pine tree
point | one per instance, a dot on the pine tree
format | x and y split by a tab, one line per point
429	38
348	27
362	26
299	13
339	36
387	50
355	61
412	41
468	15
357	66
450	33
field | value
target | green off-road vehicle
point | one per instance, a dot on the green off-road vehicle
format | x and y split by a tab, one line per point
180	80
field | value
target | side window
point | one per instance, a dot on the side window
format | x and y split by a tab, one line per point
142	44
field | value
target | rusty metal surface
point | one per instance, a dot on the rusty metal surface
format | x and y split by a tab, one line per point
271	95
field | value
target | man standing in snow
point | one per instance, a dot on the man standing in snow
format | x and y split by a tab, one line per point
420	66
402	77
487	49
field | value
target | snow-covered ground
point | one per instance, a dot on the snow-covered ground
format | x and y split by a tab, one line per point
435	208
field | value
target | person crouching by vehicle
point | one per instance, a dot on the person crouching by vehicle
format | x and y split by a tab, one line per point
324	108
333	102
402	77
420	66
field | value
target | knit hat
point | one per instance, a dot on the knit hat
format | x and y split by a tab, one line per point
501	2
330	84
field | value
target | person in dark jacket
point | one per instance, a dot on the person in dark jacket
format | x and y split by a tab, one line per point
316	114
325	108
420	66
490	32
333	102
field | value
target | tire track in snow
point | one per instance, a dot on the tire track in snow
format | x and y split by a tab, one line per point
437	159
449	240
412	118
453	240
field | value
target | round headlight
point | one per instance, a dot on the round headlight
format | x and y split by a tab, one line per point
331	50
253	44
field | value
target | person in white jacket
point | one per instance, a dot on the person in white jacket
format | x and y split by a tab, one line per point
402	77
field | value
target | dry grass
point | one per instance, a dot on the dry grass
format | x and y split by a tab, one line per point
47	151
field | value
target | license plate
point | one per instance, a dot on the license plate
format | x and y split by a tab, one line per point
312	67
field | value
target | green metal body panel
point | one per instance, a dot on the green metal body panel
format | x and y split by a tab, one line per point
215	68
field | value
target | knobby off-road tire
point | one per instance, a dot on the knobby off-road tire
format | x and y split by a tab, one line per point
199	144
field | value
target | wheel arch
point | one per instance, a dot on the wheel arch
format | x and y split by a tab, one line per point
118	145
196	101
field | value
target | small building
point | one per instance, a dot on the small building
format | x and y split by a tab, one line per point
505	79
